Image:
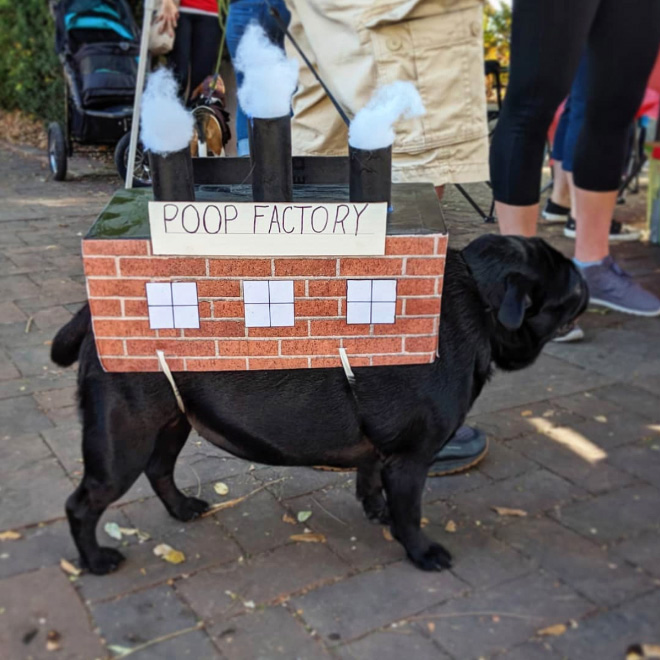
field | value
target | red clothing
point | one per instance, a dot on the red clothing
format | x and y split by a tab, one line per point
202	5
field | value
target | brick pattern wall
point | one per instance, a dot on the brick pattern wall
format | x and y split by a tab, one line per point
117	271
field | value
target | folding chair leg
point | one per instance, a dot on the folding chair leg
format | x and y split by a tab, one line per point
490	218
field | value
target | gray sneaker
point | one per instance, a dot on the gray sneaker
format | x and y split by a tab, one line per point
610	286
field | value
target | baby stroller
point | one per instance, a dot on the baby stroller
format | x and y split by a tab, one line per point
97	42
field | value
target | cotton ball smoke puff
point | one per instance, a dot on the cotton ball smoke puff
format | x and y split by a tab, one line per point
373	126
269	78
166	126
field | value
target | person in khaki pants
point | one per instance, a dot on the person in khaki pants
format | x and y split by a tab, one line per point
359	45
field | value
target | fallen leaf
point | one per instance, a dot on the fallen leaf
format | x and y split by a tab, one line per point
112	530
431	626
10	535
643	652
552	631
53	640
526	413
288	519
450	527
601	418
423	522
230	503
169	554
119	651
249	604
69	568
221	488
387	534
505	511
303	515
308	538
132	531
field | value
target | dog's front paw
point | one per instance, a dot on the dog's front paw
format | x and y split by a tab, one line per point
434	558
189	508
106	560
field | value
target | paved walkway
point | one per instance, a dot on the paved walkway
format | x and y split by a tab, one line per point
576	446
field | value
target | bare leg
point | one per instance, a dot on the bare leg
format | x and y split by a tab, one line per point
517	220
593	215
561	193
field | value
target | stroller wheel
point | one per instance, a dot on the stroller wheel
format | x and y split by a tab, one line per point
141	174
57	151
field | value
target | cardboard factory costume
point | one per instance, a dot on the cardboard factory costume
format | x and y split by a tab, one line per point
267	274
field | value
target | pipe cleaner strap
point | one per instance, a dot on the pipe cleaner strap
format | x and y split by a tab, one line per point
350	376
168	374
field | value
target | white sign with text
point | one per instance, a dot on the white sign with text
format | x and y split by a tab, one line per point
274	230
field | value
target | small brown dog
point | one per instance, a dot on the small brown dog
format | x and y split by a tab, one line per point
211	132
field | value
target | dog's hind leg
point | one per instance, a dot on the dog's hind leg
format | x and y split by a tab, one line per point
116	449
160	471
369	491
404	477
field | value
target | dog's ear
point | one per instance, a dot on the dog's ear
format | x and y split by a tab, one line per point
515	302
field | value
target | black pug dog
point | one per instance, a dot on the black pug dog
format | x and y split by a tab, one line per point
504	298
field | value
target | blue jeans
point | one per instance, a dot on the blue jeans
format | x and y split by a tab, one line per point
241	14
572	119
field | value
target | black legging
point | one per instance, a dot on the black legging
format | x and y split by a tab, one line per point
195	49
549	36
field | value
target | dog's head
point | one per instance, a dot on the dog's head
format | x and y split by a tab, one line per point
531	290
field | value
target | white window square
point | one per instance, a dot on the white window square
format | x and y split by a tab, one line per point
268	303
358	312
257	315
255	292
370	301
383	312
161	318
359	290
159	293
186	316
384	291
281	291
172	305
184	293
281	315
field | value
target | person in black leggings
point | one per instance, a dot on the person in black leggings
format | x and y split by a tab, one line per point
196	42
549	37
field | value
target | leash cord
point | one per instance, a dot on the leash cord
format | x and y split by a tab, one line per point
278	19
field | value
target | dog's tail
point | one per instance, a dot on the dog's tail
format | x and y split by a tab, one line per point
68	340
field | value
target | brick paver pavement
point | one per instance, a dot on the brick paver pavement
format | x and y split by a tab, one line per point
575	444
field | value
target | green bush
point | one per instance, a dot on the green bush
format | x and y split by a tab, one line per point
30	73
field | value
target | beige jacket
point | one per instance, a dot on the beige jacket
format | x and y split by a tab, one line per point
358	45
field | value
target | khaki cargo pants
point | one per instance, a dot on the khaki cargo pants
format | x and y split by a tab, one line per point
358	45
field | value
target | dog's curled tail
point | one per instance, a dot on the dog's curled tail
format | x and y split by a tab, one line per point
69	338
